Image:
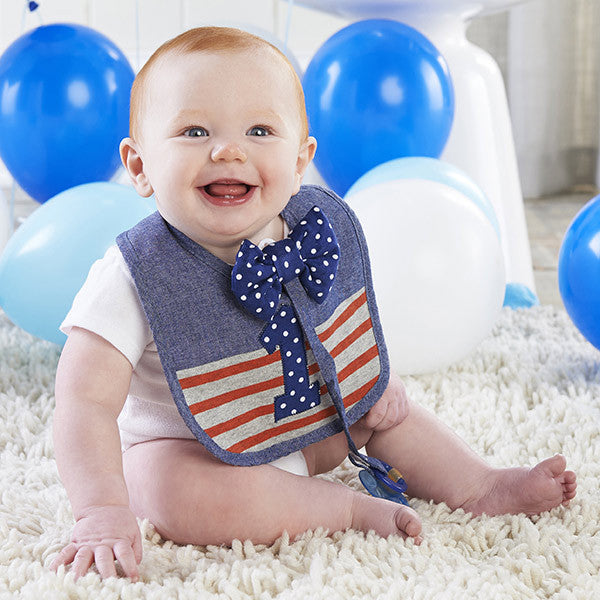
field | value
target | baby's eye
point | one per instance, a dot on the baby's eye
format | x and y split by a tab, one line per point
259	131
195	132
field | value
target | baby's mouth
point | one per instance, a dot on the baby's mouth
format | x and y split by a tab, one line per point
227	190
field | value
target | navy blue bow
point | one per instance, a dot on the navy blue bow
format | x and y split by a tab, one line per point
311	253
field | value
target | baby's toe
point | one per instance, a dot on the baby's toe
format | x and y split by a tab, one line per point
553	466
408	521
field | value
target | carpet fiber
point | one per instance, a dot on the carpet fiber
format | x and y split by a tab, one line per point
531	389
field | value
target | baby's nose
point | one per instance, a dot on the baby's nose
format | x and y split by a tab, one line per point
228	152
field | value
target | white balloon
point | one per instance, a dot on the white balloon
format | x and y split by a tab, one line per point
438	271
5	224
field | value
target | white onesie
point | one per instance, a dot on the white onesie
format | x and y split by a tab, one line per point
108	305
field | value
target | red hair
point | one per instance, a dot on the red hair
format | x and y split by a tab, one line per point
208	39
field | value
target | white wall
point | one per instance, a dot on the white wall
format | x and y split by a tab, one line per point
138	27
160	20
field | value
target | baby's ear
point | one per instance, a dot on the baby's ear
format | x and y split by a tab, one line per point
305	156
133	162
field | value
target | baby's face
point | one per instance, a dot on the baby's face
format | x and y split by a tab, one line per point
221	144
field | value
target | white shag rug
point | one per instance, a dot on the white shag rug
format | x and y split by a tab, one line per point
531	389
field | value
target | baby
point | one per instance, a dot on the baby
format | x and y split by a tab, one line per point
205	382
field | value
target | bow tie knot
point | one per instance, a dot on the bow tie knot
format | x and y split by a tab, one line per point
286	258
311	253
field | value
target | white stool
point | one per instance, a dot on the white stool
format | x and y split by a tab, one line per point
481	141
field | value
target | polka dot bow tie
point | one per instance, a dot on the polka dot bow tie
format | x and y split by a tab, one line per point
311	253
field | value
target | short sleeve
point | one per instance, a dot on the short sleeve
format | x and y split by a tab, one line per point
109	306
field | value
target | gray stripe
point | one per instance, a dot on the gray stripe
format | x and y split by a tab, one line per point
235	382
220	364
351	325
360	377
365	342
338	311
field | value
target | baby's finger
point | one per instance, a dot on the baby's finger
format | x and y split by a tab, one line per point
388	419
137	547
65	557
391	415
105	561
398	417
125	555
374	417
83	561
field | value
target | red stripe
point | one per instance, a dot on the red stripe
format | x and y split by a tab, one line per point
299	423
216	401
269	433
241	367
346	314
361	392
260	411
348	340
357	363
221	399
352	367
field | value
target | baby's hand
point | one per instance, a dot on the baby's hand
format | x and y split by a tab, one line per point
391	409
102	535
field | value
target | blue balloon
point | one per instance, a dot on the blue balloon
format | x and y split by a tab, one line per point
47	259
431	169
376	90
64	108
579	271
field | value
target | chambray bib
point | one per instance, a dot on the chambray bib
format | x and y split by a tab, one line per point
228	373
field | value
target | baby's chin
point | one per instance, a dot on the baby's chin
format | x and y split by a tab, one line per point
223	237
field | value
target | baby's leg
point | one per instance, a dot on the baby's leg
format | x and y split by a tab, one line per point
193	498
438	465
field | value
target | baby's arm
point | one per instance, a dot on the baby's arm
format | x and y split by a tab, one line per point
92	381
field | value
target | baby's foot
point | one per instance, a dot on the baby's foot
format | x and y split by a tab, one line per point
385	517
524	490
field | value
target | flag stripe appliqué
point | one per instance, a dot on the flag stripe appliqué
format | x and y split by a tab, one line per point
233	399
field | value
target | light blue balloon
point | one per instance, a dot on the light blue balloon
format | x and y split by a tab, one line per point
518	295
48	258
430	169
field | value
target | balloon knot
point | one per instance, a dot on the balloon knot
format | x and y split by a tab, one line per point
33	6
